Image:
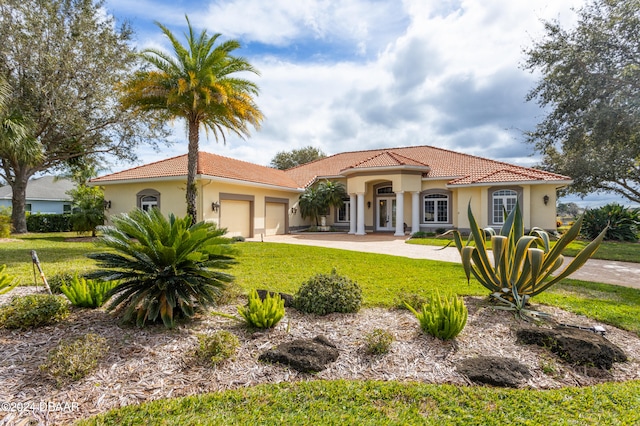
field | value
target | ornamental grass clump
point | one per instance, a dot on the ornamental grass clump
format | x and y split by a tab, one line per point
443	318
521	265
73	360
86	293
34	310
323	294
165	267
260	313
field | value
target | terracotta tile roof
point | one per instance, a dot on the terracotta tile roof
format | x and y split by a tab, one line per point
209	165
459	168
387	159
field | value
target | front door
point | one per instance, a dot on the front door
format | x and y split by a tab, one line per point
386	214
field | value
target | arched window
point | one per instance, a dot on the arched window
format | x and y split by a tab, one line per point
504	199
436	208
148	199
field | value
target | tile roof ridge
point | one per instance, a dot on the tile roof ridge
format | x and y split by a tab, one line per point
411	160
140	166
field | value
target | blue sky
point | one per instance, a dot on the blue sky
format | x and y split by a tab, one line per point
363	74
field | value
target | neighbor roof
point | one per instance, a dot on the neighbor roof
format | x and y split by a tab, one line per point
46	188
208	165
458	168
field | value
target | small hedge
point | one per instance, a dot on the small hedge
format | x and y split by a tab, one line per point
34	310
323	294
49	223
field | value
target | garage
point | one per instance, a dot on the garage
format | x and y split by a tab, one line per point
275	219
235	215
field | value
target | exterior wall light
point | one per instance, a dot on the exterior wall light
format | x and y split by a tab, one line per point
215	206
368	204
294	210
545	199
107	204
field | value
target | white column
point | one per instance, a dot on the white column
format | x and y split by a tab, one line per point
399	214
360	222
352	213
415	212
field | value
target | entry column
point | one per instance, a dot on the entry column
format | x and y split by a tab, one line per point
360	222
352	213
415	212
399	214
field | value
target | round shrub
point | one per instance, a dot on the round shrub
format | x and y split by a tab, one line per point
218	346
34	310
378	342
72	360
323	294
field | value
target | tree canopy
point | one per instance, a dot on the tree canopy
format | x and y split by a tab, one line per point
284	160
197	82
64	61
590	87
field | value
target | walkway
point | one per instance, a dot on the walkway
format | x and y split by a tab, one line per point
603	271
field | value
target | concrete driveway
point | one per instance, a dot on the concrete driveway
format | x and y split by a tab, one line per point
602	271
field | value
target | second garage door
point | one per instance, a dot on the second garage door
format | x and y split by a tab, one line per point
275	221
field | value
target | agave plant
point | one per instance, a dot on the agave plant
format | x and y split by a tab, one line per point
522	265
164	266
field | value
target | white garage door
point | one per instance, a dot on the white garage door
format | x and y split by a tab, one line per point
235	215
275	220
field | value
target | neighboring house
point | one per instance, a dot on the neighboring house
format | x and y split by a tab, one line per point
390	190
45	195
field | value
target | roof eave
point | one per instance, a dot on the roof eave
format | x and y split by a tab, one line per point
511	183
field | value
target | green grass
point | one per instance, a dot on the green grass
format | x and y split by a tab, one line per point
609	250
389	403
56	255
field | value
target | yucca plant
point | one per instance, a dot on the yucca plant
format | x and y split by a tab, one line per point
87	293
262	313
7	282
443	318
521	265
165	266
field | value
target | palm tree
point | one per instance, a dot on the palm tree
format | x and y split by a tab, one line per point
316	201
197	83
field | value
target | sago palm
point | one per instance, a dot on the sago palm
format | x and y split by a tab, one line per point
164	266
197	83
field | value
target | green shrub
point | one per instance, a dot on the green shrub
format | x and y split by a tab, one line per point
166	267
7	282
73	360
443	318
218	346
323	294
378	342
262	314
34	310
87	293
5	222
49	222
623	223
519	269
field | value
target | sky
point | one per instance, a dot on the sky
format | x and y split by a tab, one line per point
346	75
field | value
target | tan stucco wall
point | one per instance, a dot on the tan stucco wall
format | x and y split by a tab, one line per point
123	196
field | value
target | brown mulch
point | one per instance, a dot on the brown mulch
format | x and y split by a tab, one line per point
153	363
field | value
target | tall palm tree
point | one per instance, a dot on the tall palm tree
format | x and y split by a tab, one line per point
196	83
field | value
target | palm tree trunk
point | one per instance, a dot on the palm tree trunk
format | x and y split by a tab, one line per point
192	169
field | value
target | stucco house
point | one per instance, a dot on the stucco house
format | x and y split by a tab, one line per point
397	190
45	195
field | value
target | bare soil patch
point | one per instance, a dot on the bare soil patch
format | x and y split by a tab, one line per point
153	363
